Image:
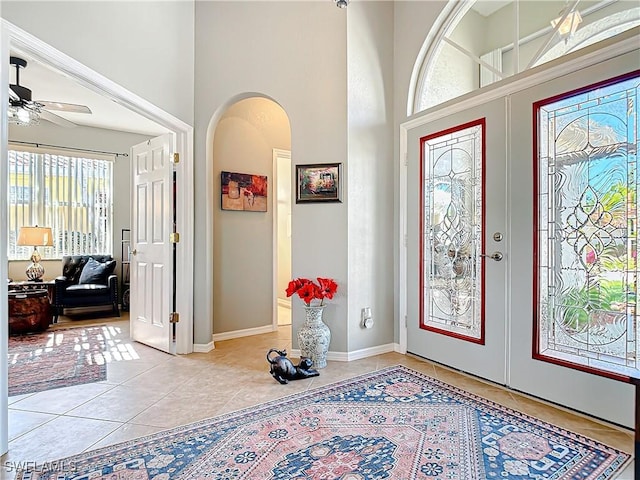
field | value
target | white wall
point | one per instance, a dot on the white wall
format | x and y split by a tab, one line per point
147	47
294	53
243	241
91	139
412	23
370	171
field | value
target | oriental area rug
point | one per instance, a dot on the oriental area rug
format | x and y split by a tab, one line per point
392	424
55	358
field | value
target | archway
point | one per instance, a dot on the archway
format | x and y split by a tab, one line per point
241	143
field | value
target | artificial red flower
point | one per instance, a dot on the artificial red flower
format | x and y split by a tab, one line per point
327	287
295	285
308	290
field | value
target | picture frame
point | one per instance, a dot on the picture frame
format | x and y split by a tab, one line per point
243	192
319	182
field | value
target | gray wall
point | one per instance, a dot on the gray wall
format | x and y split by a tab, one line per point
370	171
295	54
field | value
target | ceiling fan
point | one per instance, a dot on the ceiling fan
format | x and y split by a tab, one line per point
25	111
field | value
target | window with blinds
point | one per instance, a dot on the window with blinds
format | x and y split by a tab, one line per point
70	194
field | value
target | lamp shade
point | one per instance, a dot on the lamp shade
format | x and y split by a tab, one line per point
35	237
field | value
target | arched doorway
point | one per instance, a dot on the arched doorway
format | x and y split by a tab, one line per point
245	197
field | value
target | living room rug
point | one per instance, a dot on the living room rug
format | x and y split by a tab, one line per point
56	358
392	424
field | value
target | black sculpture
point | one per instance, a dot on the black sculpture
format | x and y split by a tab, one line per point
283	369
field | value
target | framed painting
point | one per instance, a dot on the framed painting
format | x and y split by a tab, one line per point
243	191
318	182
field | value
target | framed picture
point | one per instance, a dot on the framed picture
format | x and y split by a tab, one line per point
243	191
318	183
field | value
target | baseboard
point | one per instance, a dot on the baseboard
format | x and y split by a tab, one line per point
355	355
203	347
242	333
284	302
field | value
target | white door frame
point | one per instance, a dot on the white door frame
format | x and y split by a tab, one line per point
599	52
277	153
20	40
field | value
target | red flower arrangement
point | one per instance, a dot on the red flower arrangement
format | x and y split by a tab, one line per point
308	290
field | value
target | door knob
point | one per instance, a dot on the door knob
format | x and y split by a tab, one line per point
497	256
134	252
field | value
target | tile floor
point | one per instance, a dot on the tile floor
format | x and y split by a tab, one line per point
147	391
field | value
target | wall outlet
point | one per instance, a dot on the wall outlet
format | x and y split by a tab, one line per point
367	318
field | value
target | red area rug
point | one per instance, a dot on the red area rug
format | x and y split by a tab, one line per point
392	424
56	358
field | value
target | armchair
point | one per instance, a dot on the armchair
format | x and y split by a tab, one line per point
86	281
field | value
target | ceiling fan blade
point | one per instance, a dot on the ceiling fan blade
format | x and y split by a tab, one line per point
65	107
13	95
58	120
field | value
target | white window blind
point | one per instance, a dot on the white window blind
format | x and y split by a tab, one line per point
70	194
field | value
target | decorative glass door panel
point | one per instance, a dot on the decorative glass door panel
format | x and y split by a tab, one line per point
587	211
452	277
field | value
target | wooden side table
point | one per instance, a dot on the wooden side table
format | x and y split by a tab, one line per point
27	285
29	311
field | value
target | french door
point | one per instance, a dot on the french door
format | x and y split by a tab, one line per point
457	241
491	287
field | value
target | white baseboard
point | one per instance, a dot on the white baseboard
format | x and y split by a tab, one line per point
355	355
398	349
242	333
284	302
203	347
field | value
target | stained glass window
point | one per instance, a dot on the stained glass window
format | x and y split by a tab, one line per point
452	197
587	212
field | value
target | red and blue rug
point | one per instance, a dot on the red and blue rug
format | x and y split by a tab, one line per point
55	359
392	424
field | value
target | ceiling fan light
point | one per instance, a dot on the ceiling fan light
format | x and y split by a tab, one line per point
342	3
570	24
22	116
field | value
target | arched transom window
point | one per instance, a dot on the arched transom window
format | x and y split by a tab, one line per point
476	43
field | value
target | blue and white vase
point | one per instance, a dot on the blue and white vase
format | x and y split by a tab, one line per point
314	337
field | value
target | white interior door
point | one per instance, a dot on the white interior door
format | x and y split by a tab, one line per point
152	288
456	211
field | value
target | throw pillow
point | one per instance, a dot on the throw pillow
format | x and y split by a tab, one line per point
96	272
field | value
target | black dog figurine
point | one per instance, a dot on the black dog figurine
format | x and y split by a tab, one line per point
283	369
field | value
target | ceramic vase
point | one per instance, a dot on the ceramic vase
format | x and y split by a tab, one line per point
314	337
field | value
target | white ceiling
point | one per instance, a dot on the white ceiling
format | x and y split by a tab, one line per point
488	7
51	85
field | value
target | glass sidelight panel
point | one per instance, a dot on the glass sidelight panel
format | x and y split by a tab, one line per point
586	274
451	277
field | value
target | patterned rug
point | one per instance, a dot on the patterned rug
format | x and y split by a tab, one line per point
392	424
55	358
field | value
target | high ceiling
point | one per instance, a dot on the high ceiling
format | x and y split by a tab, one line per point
47	84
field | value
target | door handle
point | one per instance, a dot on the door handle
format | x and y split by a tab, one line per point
497	256
134	252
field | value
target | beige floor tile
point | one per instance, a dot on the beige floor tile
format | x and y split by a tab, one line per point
58	438
119	404
61	400
124	433
21	422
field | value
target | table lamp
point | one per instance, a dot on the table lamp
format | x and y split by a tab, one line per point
36	237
